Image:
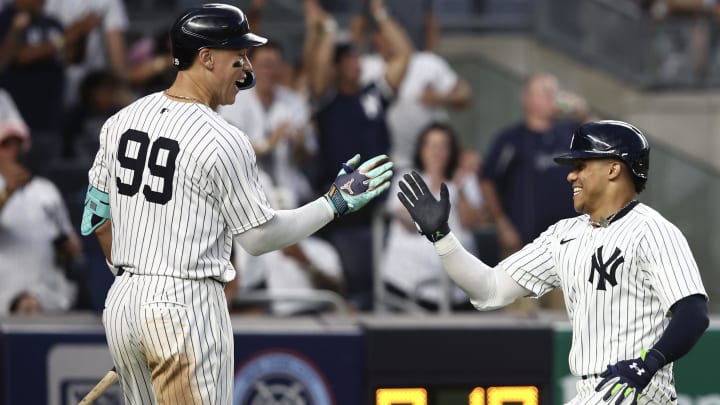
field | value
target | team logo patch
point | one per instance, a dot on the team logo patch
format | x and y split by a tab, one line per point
352	183
280	377
605	269
348	187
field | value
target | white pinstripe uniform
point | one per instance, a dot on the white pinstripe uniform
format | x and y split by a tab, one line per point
181	182
619	283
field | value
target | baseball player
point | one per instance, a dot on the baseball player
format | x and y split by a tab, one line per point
171	186
632	288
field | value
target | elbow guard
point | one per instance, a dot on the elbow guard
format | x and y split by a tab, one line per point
96	212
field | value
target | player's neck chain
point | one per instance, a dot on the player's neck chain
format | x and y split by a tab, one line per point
193	99
604	222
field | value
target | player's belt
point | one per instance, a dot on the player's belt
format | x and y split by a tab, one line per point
587	377
121	270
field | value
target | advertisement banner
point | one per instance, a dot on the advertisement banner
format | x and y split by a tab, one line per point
59	368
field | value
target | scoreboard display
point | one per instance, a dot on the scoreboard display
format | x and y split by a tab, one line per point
459	365
521	395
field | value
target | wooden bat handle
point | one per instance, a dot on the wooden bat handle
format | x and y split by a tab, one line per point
110	378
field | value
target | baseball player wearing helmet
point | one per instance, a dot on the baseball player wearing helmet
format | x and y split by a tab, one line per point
171	186
632	288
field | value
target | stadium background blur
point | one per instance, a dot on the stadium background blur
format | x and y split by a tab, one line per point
655	64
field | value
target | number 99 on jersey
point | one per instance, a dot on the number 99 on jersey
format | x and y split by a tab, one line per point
516	395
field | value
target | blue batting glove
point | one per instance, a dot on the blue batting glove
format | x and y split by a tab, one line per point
630	377
354	188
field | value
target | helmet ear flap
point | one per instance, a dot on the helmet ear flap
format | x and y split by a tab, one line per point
248	83
640	165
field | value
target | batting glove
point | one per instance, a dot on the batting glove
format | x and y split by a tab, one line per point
430	215
353	189
630	377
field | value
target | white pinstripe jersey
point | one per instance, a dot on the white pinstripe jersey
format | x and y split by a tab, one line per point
619	283
181	182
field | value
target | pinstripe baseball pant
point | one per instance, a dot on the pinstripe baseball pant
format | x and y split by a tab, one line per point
170	339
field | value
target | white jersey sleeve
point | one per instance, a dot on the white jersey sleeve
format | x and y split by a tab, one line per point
99	174
236	185
533	267
666	258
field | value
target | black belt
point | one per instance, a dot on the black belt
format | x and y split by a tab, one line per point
121	270
587	377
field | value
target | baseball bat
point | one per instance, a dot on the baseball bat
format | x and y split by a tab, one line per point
110	378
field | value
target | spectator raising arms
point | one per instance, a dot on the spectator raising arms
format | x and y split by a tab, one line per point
34	75
350	118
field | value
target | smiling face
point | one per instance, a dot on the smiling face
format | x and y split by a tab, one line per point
228	66
590	180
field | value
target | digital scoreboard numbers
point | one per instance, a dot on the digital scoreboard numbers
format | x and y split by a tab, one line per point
496	395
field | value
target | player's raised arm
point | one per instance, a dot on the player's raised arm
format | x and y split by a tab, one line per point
488	288
353	188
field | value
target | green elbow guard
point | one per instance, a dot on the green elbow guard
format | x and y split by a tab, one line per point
96	212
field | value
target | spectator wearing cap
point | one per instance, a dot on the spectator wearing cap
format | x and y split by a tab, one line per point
36	236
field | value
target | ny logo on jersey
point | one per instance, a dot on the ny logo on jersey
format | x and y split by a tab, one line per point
601	266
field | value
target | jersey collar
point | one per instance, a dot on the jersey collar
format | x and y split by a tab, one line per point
605	222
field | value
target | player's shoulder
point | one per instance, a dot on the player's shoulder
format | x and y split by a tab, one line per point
568	225
228	138
649	220
141	104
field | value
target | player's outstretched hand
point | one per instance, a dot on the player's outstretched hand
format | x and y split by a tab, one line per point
430	215
629	378
355	186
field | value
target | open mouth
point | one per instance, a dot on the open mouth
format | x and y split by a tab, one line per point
576	190
248	81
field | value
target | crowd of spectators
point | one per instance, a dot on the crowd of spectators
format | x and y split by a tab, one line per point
372	85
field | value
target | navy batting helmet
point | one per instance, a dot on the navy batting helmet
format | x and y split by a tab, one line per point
611	140
210	26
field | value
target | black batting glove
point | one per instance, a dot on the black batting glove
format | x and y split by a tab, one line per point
430	215
630	377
